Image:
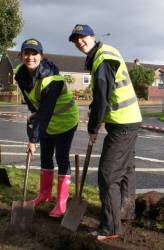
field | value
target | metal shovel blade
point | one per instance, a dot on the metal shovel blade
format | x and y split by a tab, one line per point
74	214
22	211
27	215
21	216
77	206
16	215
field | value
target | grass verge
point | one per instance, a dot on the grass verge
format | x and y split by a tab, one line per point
90	193
16	177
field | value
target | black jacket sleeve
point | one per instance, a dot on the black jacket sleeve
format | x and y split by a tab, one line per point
47	104
103	81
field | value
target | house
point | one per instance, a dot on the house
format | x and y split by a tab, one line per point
68	65
6	71
74	66
156	91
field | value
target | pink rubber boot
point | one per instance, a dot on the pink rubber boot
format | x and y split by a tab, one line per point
62	196
46	183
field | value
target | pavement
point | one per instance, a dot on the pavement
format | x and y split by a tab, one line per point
153	128
153	123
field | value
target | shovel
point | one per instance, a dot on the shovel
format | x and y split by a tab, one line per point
77	206
4	179
22	211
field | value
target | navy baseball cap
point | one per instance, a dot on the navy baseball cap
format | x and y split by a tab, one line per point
81	29
32	44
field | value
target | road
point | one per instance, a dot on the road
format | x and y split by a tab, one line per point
149	148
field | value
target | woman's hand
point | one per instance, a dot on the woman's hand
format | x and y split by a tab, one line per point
31	117
31	147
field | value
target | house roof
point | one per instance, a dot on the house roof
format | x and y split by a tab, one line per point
70	63
64	63
151	66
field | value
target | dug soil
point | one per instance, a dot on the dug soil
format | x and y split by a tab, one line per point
47	234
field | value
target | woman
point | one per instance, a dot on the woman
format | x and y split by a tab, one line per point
53	120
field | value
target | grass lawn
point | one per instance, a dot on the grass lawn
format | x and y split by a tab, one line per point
90	193
16	177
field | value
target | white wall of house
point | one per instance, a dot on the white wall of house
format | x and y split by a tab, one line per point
158	80
82	80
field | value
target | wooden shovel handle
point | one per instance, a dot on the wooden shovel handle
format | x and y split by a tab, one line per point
28	159
77	179
85	166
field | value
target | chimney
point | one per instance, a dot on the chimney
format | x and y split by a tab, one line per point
136	61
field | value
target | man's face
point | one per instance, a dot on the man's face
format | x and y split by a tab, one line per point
84	43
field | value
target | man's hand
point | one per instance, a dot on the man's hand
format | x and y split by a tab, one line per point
93	137
31	147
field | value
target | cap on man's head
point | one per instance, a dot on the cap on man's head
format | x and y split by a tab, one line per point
81	29
32	44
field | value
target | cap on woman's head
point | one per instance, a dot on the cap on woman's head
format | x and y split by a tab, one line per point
81	29
32	44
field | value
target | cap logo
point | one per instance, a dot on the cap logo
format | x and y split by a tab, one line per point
32	42
78	28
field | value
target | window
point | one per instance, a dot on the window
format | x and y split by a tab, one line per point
86	79
161	85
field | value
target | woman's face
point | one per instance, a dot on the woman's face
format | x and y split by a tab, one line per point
31	58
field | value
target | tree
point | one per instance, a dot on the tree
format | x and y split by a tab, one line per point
141	77
11	23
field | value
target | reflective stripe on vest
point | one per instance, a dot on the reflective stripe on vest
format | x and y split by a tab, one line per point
64	91
123	82
65	115
123	102
107	53
65	108
118	57
99	57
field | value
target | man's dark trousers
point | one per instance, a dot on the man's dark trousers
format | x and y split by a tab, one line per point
116	176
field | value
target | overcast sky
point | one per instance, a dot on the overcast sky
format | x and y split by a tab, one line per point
136	26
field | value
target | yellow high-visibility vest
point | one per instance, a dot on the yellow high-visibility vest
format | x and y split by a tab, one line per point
66	114
123	103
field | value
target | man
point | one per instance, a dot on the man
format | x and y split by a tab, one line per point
115	103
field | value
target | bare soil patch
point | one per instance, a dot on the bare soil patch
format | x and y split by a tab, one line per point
47	234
